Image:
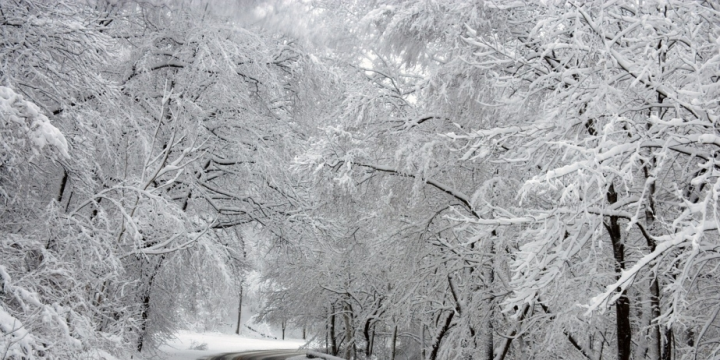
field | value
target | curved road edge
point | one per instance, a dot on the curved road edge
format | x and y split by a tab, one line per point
258	355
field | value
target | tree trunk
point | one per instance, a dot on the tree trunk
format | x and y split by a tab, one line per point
507	341
368	340
394	343
655	337
656	340
422	340
439	337
143	322
655	349
240	297
283	324
63	182
622	307
145	314
327	337
667	344
488	336
347	316
333	340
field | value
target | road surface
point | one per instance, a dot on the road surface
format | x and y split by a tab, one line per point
259	355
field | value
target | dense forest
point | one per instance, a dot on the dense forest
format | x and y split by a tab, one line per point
426	179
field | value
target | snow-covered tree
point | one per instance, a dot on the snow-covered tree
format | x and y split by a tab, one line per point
176	127
435	179
572	142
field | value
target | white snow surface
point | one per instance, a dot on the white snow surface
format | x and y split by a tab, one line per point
182	347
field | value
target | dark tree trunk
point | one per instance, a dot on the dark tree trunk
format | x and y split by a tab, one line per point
368	340
667	344
394	343
422	341
349	336
441	334
656	342
655	337
372	341
622	307
488	337
144	317
69	201
146	304
63	182
240	298
505	348
333	340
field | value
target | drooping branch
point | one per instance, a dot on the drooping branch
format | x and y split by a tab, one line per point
458	195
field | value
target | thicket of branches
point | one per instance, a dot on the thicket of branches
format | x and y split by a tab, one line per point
520	180
430	179
137	139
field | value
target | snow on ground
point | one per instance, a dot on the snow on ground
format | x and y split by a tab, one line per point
191	346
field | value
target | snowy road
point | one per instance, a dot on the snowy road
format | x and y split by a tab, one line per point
188	345
259	355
